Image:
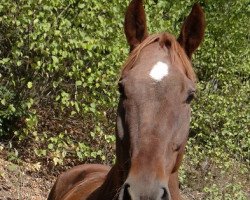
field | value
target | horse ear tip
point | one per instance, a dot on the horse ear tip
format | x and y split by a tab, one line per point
197	6
198	10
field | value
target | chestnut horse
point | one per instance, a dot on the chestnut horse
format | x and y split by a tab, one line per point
157	85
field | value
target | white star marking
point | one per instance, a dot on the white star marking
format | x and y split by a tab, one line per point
159	71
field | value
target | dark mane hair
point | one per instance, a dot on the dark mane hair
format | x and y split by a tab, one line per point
175	50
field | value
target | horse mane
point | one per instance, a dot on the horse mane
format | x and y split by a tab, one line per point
175	51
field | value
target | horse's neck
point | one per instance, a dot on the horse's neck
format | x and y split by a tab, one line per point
111	186
118	173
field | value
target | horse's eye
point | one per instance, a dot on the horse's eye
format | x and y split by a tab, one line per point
121	88
176	147
190	97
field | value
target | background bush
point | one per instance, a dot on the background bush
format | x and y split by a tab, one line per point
59	66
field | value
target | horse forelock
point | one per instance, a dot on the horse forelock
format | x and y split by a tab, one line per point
175	51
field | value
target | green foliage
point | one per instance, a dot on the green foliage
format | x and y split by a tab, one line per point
60	62
10	111
219	148
56	54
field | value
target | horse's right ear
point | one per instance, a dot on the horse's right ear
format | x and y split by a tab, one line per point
135	23
192	32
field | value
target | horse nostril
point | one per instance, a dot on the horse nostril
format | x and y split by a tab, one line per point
126	195
165	195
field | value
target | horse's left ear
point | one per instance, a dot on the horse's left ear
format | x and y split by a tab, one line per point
135	23
192	31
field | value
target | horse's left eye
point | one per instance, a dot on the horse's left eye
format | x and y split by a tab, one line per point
190	97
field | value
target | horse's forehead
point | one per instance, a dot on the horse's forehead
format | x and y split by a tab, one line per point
152	63
159	71
153	66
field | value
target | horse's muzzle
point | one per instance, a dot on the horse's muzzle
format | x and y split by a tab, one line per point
128	192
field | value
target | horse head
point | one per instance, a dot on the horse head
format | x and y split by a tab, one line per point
156	88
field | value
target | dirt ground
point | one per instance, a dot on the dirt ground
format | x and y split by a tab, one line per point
22	182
